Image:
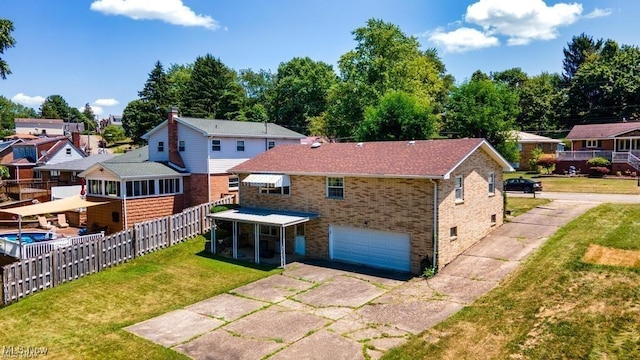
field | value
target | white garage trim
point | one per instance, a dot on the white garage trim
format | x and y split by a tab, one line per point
370	247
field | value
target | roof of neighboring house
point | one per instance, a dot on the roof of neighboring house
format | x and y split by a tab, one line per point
139	170
411	159
311	139
39	121
138	155
601	131
525	138
74	127
21	136
42	140
78	164
230	128
7	144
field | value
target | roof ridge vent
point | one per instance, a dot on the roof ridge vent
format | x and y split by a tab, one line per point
412	142
316	145
359	144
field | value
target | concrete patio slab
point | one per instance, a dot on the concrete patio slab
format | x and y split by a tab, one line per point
341	291
273	289
503	247
174	327
320	346
311	273
277	323
477	267
526	229
415	290
462	290
414	317
348	324
376	332
385	344
219	344
226	307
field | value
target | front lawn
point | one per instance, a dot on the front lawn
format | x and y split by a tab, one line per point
582	184
520	205
555	305
83	319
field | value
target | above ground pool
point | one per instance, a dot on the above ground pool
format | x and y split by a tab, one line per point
28	237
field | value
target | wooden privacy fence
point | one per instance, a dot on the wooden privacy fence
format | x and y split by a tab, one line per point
65	264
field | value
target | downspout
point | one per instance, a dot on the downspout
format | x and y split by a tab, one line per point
124	203
435	223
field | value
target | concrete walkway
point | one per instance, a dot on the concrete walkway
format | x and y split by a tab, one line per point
320	312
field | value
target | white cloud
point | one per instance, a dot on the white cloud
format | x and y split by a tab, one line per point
97	110
598	13
170	11
522	21
105	102
462	40
27	100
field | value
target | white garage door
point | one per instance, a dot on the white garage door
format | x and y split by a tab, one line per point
370	247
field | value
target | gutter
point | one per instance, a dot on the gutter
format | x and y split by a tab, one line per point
434	235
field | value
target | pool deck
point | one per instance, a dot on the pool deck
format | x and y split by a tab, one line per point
68	231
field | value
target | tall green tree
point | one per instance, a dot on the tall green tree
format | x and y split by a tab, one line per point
578	50
384	59
178	77
213	91
398	116
88	112
138	117
540	99
6	42
258	89
484	109
9	111
301	91
55	107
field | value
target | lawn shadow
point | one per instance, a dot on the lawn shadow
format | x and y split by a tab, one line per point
239	262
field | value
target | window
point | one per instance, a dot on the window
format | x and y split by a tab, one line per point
240	145
274	190
112	188
271	144
234	181
624	145
169	186
268	230
68	151
95	187
492	183
592	143
140	188
453	233
335	188
160	146
74	176
54	174
181	145
216	145
493	219
37	174
459	189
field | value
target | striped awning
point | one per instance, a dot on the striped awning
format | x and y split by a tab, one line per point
274	180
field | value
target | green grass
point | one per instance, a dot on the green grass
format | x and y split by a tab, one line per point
520	205
554	306
83	319
582	184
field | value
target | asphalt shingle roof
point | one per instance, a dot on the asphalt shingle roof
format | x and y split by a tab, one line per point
423	158
240	128
140	170
601	131
138	155
78	164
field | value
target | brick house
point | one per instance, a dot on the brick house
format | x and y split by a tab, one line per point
528	142
184	164
617	142
396	205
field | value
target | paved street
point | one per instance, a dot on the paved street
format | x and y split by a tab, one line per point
600	198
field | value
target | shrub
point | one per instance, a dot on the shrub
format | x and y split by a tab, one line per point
548	162
219	208
598	162
535	156
598	171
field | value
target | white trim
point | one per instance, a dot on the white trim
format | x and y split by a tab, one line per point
492	183
456	188
327	187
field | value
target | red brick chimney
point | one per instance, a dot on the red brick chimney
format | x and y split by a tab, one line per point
75	139
174	155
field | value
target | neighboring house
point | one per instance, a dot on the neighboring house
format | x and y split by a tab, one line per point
206	148
6	150
70	128
397	205
114	120
41	151
66	173
617	142
528	142
139	189
39	127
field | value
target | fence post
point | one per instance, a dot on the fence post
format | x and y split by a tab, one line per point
170	230
134	243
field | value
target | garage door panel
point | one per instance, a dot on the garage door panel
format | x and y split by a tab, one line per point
370	247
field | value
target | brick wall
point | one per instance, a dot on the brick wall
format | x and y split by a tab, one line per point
527	149
472	217
396	205
195	188
101	215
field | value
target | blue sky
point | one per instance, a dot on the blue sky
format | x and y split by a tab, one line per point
101	51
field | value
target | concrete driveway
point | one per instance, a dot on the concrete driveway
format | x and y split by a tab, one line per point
332	311
599	198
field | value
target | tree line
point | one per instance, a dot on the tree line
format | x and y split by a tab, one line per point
387	88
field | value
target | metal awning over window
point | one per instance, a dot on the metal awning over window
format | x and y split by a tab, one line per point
272	180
